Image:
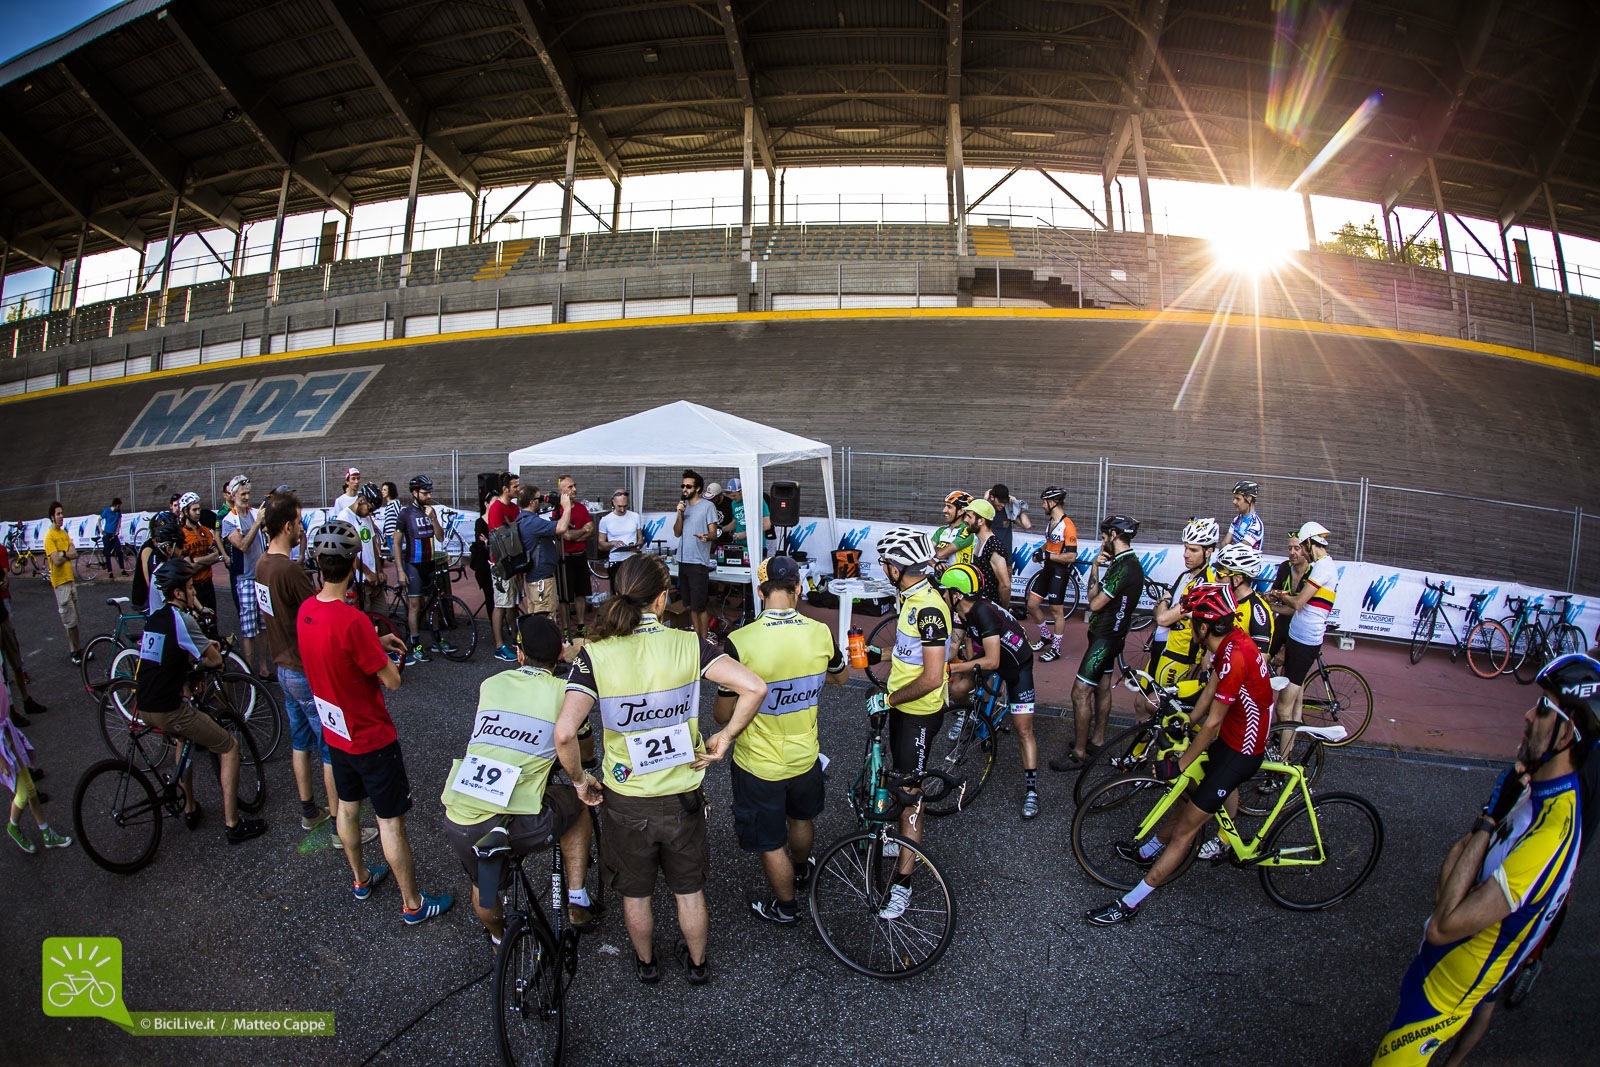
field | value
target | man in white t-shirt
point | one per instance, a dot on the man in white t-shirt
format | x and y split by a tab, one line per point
352	489
621	530
369	564
1311	607
240	528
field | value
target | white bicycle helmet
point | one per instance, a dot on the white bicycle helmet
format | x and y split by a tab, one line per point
1203	532
186	499
905	547
1313	531
1238	558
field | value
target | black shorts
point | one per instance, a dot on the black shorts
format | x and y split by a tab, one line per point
1019	682
528	833
572	577
1298	659
419	578
694	585
378	776
762	808
1051	585
909	738
1226	770
1099	658
1280	637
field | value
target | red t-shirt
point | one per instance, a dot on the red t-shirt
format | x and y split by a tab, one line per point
342	657
1244	688
499	514
580	518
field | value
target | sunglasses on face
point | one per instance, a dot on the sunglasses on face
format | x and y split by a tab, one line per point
1546	706
688	485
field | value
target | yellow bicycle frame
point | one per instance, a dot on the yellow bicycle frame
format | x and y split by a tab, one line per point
1247	853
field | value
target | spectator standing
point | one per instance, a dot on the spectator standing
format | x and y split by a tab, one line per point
621	530
1009	512
696	530
572	579
346	662
111	539
1247	526
713	492
201	549
369	564
1311	603
416	535
10	651
241	530
542	539
16	757
735	495
60	551
352	487
389	516
478	554
503	511
989	558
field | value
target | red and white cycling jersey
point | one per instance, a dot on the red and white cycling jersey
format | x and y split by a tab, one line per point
1244	688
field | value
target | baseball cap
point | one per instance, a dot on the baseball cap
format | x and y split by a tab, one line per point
982	507
712	489
539	638
283	489
352	470
236	481
735	485
778	569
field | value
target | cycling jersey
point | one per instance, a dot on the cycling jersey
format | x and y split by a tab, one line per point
1248	529
170	647
511	750
1124	584
924	623
1531	859
414	536
957	535
1255	618
1060	534
1310	623
1244	689
791	653
987	619
1180	636
983	563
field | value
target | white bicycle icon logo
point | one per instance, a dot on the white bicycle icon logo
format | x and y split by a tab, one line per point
73	986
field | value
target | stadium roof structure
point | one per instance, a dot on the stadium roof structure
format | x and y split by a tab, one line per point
244	108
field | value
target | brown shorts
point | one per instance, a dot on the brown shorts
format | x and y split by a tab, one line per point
539	597
192	724
529	833
642	835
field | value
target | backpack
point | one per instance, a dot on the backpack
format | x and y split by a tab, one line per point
510	555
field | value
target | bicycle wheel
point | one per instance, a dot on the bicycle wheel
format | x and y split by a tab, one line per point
250	699
1072	596
968	760
1112	815
1125	753
1338	695
97	658
530	1022
1352	840
848	893
1488	648
384	627
86	566
1568	639
456	626
1528	666
1259	795
1422	633
882	638
117	721
1521	641
252	792
117	816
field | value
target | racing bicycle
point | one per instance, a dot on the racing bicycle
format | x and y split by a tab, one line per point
965	753
1336	695
1310	852
1485	641
453	625
1535	642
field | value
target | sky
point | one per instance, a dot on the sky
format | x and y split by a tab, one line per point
860	194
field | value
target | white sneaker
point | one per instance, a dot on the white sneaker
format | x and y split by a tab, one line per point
899	900
1215	849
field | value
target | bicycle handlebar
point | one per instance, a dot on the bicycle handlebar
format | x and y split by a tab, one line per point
1444	588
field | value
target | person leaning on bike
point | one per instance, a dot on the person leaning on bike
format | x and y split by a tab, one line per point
172	645
646	680
415	539
504	779
1504	882
1233	741
777	768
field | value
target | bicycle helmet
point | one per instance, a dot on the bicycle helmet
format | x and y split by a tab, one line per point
369	493
1053	492
336	538
963	578
905	547
186	499
420	482
1204	532
1313	531
1573	682
1247	488
166	531
958	499
1128	528
172	575
1209	602
1238	558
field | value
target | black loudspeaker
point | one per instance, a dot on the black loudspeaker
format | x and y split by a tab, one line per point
785	504
488	484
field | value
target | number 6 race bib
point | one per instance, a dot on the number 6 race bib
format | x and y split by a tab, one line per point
656	750
332	716
486	779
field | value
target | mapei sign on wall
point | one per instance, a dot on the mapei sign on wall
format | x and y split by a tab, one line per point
284	407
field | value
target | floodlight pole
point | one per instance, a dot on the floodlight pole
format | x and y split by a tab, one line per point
749	184
565	245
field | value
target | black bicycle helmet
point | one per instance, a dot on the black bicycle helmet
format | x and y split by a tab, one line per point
336	538
1573	682
1053	492
166	531
1247	488
421	481
369	493
1128	528
172	575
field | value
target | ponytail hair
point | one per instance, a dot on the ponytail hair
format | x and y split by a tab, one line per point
635	584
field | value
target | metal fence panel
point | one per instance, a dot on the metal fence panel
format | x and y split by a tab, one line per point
1587	579
890	487
1163	499
1452	534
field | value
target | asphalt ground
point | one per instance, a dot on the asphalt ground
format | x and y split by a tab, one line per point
1211	971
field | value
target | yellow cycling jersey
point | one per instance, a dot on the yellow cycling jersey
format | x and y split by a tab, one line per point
511	750
1255	618
924	622
1180	635
792	654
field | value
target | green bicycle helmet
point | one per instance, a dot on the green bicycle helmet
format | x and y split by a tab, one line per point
962	578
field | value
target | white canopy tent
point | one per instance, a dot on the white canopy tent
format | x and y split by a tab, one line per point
682	434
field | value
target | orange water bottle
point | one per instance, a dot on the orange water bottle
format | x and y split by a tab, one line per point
858	649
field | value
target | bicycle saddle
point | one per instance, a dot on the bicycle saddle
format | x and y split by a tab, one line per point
494	844
1324	733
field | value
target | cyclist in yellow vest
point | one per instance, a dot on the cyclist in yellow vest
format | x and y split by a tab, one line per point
918	682
777	767
1176	651
506	772
646	680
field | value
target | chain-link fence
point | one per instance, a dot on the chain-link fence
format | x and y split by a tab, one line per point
891	487
1469	535
1163	499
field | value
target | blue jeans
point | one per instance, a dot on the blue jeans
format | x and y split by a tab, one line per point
305	727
